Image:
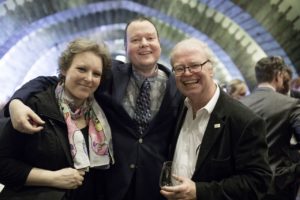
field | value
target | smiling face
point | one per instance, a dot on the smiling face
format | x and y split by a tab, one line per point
142	45
194	85
83	76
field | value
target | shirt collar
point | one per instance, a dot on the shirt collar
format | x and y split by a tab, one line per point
209	107
140	78
266	85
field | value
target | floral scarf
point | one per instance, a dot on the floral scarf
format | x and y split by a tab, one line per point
98	152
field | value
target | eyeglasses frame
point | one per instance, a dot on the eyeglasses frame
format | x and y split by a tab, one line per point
192	69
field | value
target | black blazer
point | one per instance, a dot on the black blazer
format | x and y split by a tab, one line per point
47	149
138	157
232	161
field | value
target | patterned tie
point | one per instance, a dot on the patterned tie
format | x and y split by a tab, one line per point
142	113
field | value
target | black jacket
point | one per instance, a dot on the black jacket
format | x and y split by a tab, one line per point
47	149
138	157
232	161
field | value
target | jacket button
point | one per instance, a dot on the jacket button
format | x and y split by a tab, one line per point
132	166
141	140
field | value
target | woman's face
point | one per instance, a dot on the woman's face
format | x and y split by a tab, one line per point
240	92
83	76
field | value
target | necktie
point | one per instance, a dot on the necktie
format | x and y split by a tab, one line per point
142	114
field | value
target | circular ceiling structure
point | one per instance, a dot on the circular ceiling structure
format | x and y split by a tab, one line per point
34	32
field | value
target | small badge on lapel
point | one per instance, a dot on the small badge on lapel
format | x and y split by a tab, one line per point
217	125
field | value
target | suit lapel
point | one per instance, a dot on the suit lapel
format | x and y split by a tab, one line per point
178	126
170	91
169	96
213	130
121	77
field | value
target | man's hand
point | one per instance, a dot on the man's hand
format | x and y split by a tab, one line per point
186	190
23	118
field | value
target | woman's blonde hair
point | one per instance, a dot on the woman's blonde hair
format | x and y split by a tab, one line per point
81	45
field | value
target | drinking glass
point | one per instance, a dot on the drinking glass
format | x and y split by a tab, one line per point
165	178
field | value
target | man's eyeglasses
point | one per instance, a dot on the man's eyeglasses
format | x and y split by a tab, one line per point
195	67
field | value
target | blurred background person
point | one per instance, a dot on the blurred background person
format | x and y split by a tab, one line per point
236	88
286	84
282	116
295	88
286	90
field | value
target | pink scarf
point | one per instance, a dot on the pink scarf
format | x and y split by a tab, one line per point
97	154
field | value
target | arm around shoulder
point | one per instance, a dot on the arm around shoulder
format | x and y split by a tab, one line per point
28	89
24	119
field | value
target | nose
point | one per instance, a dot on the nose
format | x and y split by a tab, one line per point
187	70
88	76
144	42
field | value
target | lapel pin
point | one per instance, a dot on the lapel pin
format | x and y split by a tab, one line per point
217	125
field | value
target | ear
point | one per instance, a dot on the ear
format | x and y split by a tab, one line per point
278	76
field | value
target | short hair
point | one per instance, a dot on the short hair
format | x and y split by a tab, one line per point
138	19
81	45
288	70
268	67
197	43
233	85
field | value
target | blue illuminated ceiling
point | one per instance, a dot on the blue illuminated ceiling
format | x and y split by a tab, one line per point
33	32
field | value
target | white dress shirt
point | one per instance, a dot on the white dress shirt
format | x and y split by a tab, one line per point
190	137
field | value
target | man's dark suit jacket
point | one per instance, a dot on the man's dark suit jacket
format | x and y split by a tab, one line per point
138	157
282	114
232	162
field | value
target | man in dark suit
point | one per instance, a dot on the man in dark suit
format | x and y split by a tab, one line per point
282	116
138	154
220	150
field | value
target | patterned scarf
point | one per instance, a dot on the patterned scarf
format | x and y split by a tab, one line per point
97	154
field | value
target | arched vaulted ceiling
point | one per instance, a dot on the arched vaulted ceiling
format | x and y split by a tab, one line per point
240	32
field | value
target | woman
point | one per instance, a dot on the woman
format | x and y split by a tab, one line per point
66	159
237	89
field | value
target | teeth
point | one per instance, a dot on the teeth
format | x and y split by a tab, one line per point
144	53
190	82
